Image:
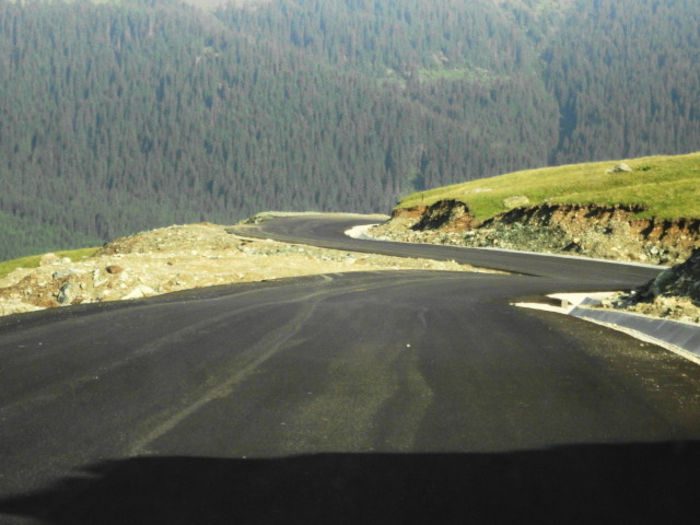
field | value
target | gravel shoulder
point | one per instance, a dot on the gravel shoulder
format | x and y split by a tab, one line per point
181	257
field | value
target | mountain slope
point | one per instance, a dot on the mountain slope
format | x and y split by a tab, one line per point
122	116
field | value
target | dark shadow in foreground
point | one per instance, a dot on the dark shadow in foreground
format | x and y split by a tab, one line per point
628	483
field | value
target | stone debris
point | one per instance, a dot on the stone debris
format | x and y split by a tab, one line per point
581	230
139	292
178	258
593	231
66	294
674	293
62	274
15	306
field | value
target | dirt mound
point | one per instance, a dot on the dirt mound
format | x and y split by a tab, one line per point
179	258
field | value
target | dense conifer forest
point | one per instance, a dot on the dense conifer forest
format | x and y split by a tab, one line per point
117	116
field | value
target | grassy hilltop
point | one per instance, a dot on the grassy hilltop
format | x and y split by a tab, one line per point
665	187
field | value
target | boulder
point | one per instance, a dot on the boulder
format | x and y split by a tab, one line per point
66	294
682	280
61	274
662	282
140	292
619	168
48	259
516	201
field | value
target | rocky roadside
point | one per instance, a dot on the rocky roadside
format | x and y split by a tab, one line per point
592	231
674	293
609	233
178	258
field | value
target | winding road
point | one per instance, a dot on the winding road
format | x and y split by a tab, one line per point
383	397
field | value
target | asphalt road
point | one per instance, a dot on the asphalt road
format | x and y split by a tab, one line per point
384	397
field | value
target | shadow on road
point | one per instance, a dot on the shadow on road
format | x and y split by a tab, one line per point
632	483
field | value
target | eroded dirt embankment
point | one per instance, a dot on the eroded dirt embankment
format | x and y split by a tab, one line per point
594	231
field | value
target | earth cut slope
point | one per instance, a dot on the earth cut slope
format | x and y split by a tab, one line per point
642	210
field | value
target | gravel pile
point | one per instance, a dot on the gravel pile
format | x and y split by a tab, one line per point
178	258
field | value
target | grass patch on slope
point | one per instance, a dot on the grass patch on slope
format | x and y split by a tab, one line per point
666	187
32	261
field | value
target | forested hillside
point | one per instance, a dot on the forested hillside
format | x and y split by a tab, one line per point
124	115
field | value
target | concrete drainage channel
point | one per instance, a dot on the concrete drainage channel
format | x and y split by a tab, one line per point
676	336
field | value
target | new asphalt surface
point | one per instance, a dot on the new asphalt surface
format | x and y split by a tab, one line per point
384	397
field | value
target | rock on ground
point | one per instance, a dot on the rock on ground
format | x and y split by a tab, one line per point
674	293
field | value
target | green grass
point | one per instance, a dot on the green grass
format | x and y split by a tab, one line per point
32	261
666	187
475	75
431	75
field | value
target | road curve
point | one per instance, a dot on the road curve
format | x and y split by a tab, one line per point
382	397
573	272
